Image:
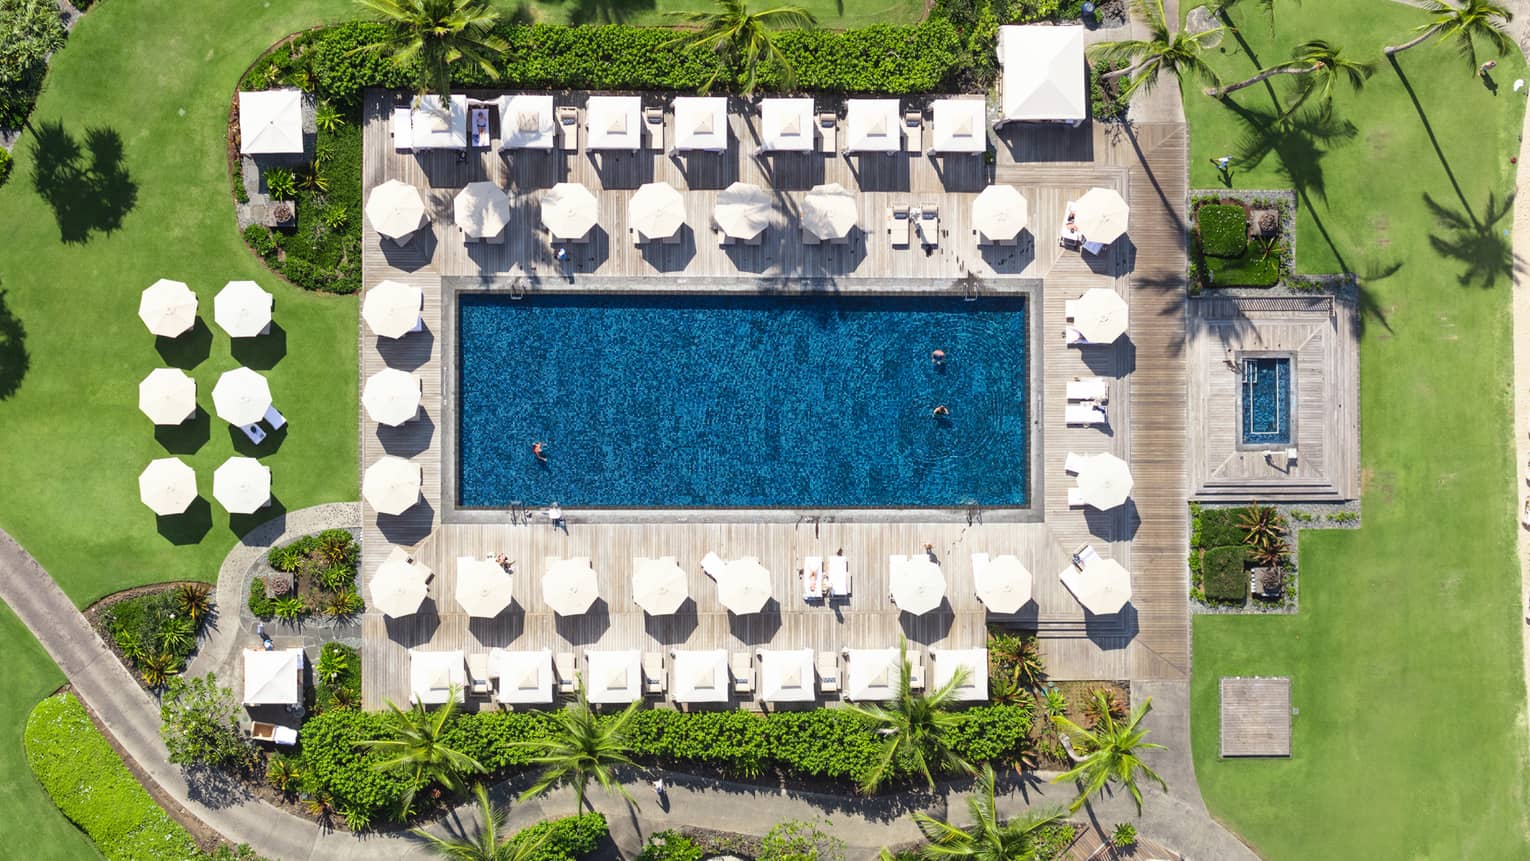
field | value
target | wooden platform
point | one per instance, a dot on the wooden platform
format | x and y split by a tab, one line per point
1256	716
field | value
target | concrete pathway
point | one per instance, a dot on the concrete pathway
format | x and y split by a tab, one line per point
1520	29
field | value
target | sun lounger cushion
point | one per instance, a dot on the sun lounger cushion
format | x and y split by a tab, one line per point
563	667
1084	414
839	575
653	673
1088	389
828	671
275	419
741	665
255	432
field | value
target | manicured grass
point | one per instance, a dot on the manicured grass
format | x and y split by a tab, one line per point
1405	656
833	14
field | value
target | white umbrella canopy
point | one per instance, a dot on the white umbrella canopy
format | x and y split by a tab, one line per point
614	677
699	676
392	310
392	485
658	585
743	210
242	485
829	211
241	396
168	486
484	589
917	585
569	587
787	675
1100	215
657	210
1100	315
744	586
569	210
243	309
391	396
948	662
167	396
399	587
481	209
168	308
1003	585
396	210
1105	480
1000	212
1104	587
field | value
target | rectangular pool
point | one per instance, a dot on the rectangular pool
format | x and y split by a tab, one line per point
1266	404
716	401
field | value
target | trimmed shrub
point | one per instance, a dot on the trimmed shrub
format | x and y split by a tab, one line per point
333	763
5	166
258	237
567	839
671	846
1219	527
1222	573
1223	230
261	607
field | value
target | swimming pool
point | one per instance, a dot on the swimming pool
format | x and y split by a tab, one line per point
720	401
1267	400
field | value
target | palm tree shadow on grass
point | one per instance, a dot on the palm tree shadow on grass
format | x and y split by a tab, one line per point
14	360
85	182
1486	248
1299	144
608	11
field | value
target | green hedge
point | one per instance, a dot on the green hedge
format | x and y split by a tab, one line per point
1223	230
1219	527
1222	573
5	165
567	839
344	691
1253	268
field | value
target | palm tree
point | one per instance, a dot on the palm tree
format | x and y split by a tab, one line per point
987	839
438	34
740	35
1464	25
485	844
416	747
583	746
1320	65
1110	753
914	726
1176	51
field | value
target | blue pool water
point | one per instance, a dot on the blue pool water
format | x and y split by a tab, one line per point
733	401
1267	401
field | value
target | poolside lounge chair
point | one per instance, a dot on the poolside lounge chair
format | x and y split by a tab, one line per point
1089	389
899	225
1076	498
1068	236
1084	555
1084	414
712	565
1074	338
929	225
402	129
828	132
563	670
255	432
839	576
913	131
828	671
478	675
1073	463
653	673
275	419
653	127
568	124
811	576
916	669
741	665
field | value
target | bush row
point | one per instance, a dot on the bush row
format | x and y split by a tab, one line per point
566	839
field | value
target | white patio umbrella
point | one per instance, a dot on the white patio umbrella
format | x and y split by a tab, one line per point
1105	481
569	586
948	662
241	396
658	585
392	485
399	587
656	210
392	310
242	485
743	210
1100	315
243	309
1103	586
168	308
484	589
1100	215
744	586
569	210
829	211
396	210
787	675
167	396
699	676
917	585
1003	585
391	396
1000	212
481	209
167	486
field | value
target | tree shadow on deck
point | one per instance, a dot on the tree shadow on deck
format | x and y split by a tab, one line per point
85	182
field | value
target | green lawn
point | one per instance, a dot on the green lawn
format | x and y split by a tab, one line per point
1405	656
834	14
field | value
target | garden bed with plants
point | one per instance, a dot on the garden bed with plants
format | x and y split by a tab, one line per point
1241	239
1241	559
312	579
1017	675
154	629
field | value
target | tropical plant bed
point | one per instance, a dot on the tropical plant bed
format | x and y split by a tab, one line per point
1073	700
1242	559
153	630
314	576
1241	239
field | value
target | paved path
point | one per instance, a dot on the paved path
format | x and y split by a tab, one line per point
1520	29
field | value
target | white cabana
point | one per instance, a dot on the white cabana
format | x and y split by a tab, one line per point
613	676
1104	481
400	585
526	122
873	125
1100	315
829	211
744	586
396	210
872	674
271	122
241	396
656	210
392	310
614	122
569	587
917	584
484	588
743	210
658	585
948	661
168	486
242	485
273	678
1041	74
167	396
569	210
435	676
1103	586
786	125
392	485
960	125
243	309
434	125
482	210
1002	583
701	123
999	213
787	675
392	397
699	676
1100	215
525	677
168	308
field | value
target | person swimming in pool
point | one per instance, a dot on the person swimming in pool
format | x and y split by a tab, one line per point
539	450
940	411
938	358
